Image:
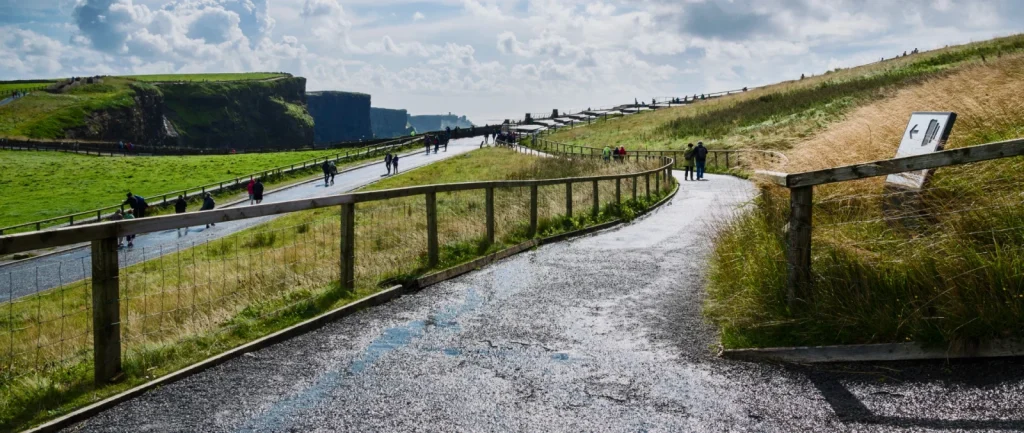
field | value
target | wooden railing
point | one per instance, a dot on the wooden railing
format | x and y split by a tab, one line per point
160	200
106	269
801	190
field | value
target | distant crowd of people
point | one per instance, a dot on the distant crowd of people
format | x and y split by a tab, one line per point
617	154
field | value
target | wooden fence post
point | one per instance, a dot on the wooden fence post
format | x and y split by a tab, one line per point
618	191
634	188
726	160
348	246
657	180
432	251
716	159
597	201
647	184
489	210
533	210
799	252
568	199
106	311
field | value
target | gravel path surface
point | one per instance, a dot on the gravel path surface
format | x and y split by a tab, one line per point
36	275
602	333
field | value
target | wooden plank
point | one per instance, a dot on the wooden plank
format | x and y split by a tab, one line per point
489	211
798	253
568	199
347	258
106	312
964	155
875	352
533	210
432	248
775	177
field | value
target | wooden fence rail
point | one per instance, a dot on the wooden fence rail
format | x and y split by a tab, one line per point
106	305
718	158
801	189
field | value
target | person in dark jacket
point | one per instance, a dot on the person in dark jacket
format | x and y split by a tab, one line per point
180	206
394	161
257	191
327	172
334	171
387	161
138	204
208	204
700	155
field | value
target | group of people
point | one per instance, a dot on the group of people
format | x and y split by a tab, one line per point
136	209
391	161
617	154
125	148
437	141
694	159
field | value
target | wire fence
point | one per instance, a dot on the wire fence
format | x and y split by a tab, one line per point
179	302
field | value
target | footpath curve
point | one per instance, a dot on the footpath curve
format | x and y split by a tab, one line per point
603	333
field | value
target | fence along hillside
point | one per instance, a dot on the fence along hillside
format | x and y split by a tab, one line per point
140	317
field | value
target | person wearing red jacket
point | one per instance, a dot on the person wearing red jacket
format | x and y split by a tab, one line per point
251	184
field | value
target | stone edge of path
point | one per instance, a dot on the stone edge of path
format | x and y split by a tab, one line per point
323	319
910	351
230	203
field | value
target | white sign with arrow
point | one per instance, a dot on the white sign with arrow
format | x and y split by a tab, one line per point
926	133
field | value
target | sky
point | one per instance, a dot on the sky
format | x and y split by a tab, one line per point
488	59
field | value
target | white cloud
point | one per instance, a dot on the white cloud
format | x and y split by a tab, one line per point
418	16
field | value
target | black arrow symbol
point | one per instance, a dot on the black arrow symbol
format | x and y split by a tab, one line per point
912	131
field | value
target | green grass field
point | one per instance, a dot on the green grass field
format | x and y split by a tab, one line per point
242	76
9	87
40	185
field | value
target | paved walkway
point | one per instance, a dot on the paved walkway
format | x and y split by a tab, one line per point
32	276
602	333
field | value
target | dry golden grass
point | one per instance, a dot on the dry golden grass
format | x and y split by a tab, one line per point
986	98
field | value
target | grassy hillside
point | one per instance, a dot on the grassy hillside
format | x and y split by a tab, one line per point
945	270
244	76
39	185
781	115
205	110
221	294
7	87
48	115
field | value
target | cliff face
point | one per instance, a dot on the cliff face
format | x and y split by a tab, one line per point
239	114
340	116
139	119
389	123
437	122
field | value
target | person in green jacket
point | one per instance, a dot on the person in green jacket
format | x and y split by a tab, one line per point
607	153
688	158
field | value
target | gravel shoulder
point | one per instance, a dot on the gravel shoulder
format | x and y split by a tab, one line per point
602	333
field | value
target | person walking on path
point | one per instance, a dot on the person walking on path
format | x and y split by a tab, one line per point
427	140
387	162
138	204
700	154
129	214
606	154
180	206
257	191
688	156
248	187
327	172
394	161
208	204
446	145
622	153
437	144
334	172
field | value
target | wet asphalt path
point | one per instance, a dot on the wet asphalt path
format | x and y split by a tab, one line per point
602	333
32	276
